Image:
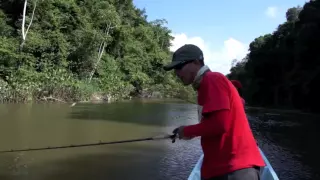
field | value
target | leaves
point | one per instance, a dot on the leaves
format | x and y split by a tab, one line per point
282	68
61	50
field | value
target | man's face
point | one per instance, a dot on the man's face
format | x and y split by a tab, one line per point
185	72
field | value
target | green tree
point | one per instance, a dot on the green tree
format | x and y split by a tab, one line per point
282	69
74	49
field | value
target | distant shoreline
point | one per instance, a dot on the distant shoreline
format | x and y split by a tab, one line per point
287	111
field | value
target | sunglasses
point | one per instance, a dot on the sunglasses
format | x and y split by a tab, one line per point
181	65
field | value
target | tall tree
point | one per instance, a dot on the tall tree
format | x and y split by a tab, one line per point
282	68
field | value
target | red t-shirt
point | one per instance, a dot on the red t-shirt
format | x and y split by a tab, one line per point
226	138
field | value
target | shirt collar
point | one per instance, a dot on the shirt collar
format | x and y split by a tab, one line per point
198	78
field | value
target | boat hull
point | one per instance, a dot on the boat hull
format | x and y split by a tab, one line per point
266	173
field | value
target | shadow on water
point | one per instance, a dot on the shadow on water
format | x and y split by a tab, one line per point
44	125
123	164
120	163
137	112
131	161
289	141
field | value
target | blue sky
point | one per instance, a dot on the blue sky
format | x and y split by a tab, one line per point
222	29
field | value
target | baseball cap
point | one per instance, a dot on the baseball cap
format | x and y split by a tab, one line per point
186	53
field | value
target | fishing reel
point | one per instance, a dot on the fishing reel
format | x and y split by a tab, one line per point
174	137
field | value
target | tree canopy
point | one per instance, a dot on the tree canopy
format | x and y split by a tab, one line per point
282	69
70	49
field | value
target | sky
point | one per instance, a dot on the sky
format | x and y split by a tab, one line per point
222	29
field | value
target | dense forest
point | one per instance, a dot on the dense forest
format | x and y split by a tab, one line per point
72	50
282	69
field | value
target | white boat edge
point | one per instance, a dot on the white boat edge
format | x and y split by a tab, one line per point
266	173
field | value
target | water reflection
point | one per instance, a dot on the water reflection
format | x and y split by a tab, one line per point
153	114
288	141
41	125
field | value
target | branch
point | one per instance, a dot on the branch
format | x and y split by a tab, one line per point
34	9
100	52
24	19
24	33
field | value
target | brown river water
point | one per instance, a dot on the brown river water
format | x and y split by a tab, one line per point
289	141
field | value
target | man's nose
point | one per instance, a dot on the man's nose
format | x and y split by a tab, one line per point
177	71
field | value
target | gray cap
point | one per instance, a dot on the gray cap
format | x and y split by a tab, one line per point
188	52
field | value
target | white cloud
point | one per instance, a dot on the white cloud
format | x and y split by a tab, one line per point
271	12
217	59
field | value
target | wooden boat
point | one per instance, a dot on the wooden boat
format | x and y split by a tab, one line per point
267	172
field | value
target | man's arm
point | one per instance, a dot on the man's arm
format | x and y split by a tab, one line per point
214	94
213	124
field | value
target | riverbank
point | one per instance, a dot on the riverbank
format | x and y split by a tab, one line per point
280	111
80	91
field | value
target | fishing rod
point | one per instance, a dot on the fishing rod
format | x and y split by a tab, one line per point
173	137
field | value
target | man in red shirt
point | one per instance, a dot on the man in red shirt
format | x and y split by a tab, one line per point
229	148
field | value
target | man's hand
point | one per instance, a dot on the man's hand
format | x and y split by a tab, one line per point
179	134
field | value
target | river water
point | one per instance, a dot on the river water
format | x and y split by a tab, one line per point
288	141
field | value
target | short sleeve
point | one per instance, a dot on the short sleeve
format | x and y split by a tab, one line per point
214	92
